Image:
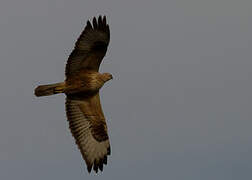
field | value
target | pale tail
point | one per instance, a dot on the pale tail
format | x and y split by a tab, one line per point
50	89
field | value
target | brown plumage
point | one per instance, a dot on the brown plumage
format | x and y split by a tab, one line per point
82	85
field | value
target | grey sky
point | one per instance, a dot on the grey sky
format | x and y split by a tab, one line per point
179	106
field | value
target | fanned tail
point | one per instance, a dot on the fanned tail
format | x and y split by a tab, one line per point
50	89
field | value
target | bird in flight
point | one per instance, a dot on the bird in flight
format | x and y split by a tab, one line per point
81	86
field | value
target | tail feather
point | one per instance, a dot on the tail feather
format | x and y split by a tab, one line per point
50	89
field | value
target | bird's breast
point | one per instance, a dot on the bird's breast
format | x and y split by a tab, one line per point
84	82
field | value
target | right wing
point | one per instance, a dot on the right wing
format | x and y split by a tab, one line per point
88	126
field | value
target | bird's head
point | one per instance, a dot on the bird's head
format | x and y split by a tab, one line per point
106	77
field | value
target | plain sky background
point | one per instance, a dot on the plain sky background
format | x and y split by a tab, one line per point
179	106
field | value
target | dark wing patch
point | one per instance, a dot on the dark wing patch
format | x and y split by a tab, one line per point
90	47
89	131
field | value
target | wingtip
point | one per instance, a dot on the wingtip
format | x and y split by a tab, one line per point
105	160
99	22
101	165
89	168
95	25
89	25
109	151
95	168
99	17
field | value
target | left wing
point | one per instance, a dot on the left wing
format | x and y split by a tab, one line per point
90	47
88	126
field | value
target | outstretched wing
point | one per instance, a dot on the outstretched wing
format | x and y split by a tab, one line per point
90	47
88	126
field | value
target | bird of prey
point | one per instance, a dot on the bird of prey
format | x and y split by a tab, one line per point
81	87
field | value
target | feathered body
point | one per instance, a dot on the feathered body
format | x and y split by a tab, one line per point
82	85
85	81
